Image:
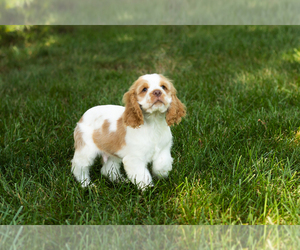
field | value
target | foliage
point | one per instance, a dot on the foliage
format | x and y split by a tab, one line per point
132	12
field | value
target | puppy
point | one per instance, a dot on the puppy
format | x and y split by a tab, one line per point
136	134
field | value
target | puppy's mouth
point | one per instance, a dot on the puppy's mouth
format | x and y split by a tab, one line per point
158	101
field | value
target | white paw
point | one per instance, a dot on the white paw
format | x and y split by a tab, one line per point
119	178
144	186
145	183
86	183
112	175
162	174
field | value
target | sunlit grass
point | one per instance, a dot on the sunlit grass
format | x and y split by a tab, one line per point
130	12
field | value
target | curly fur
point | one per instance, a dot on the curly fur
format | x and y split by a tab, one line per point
176	111
133	115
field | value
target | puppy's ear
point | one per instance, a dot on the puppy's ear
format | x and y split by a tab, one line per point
176	110
133	115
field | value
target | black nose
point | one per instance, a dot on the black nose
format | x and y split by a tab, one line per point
157	93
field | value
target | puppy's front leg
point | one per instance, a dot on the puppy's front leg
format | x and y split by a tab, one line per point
162	163
137	172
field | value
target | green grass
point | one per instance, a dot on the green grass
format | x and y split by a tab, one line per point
132	12
236	154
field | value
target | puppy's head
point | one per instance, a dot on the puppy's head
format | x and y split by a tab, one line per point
149	94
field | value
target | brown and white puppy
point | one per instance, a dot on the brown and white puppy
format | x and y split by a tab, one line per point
136	134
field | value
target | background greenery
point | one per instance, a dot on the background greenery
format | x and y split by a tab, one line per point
147	12
236	154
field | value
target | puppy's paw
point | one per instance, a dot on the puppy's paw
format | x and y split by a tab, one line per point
145	186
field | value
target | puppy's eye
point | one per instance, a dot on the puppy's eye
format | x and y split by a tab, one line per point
164	87
144	89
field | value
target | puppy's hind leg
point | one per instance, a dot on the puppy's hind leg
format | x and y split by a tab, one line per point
111	168
81	163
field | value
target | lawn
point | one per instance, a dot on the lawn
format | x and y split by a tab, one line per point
236	153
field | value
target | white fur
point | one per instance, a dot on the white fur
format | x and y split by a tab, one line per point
151	142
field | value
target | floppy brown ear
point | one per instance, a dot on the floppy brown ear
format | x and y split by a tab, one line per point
176	110
133	115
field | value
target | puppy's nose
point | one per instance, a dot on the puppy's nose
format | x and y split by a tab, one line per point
157	93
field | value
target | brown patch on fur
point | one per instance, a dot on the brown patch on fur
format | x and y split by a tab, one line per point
133	115
140	88
110	142
167	83
78	140
177	109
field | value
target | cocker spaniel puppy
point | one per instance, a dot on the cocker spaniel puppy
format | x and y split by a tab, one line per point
136	134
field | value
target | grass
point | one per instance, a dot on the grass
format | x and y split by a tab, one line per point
132	12
236	154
